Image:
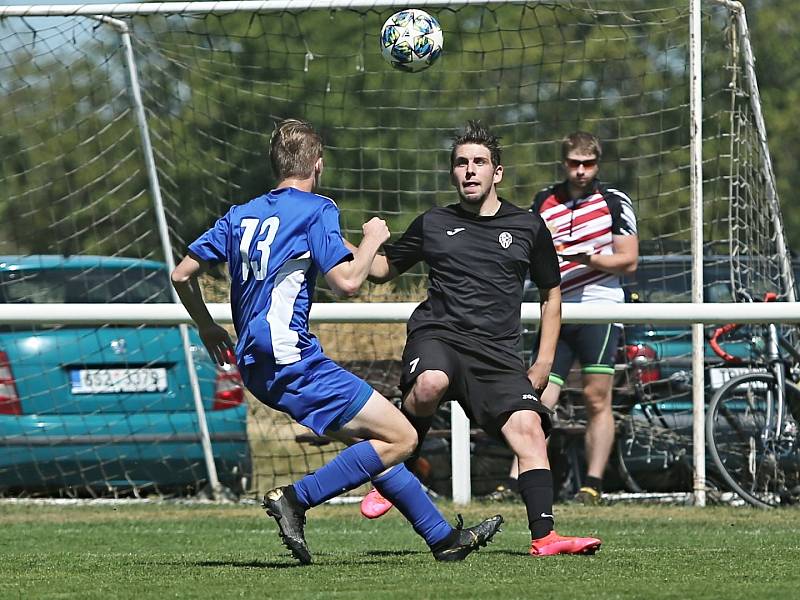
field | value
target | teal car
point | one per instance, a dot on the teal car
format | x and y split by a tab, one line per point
108	409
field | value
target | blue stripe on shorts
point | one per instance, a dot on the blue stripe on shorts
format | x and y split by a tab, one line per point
355	406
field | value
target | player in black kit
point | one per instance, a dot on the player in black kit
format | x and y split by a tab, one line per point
462	341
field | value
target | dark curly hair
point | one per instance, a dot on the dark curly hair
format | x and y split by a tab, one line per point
475	132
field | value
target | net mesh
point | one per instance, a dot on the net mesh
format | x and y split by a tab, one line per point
74	182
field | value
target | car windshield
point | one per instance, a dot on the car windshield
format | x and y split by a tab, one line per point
665	281
101	285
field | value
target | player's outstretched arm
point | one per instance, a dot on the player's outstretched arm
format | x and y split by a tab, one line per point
215	337
549	326
381	269
346	278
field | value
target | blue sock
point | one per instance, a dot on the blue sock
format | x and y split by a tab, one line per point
404	490
351	468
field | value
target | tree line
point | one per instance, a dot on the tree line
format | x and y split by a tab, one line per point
73	179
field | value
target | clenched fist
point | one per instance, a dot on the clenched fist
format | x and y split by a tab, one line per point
376	229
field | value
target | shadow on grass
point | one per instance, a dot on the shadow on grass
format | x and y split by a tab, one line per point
374	558
251	564
394	553
520	553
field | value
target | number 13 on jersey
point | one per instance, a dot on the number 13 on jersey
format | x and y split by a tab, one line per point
250	226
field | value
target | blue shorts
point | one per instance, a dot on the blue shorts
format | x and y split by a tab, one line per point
314	391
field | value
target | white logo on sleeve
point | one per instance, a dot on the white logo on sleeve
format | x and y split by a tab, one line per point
413	364
505	239
456	230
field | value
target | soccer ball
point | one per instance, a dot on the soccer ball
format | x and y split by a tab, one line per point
411	40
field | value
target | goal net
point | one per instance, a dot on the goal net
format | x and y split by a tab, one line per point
79	221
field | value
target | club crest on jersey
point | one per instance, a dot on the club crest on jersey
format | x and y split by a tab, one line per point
505	239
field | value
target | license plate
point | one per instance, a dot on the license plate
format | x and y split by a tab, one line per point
116	381
718	376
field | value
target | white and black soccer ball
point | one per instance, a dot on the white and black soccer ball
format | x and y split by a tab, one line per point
411	40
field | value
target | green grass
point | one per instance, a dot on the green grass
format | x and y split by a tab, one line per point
210	551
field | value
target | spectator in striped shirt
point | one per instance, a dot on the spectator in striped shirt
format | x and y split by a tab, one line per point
594	231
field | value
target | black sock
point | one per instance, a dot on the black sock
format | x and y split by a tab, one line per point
536	489
421	425
594	482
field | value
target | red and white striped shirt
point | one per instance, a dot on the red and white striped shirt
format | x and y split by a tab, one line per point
586	225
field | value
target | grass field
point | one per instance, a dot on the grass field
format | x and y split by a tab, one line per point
166	550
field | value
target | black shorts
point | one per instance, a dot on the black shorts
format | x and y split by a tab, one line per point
594	345
488	390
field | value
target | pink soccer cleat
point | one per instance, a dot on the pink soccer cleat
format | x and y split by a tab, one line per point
374	505
553	543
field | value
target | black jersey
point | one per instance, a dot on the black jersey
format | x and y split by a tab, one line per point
477	270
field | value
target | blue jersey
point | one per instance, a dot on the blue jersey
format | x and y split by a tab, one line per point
275	245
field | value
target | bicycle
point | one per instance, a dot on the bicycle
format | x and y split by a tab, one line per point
752	422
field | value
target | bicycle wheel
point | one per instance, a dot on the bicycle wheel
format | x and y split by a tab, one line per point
764	473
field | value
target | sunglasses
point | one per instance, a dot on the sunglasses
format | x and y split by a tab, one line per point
574	164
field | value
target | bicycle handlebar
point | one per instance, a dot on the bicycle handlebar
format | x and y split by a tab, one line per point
718	350
726	329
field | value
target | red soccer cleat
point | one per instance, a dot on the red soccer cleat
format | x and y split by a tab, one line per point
374	505
553	543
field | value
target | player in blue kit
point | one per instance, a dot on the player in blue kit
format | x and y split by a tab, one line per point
275	245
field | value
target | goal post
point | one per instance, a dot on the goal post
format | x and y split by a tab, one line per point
213	77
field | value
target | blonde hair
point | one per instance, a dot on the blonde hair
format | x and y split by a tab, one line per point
582	142
294	149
